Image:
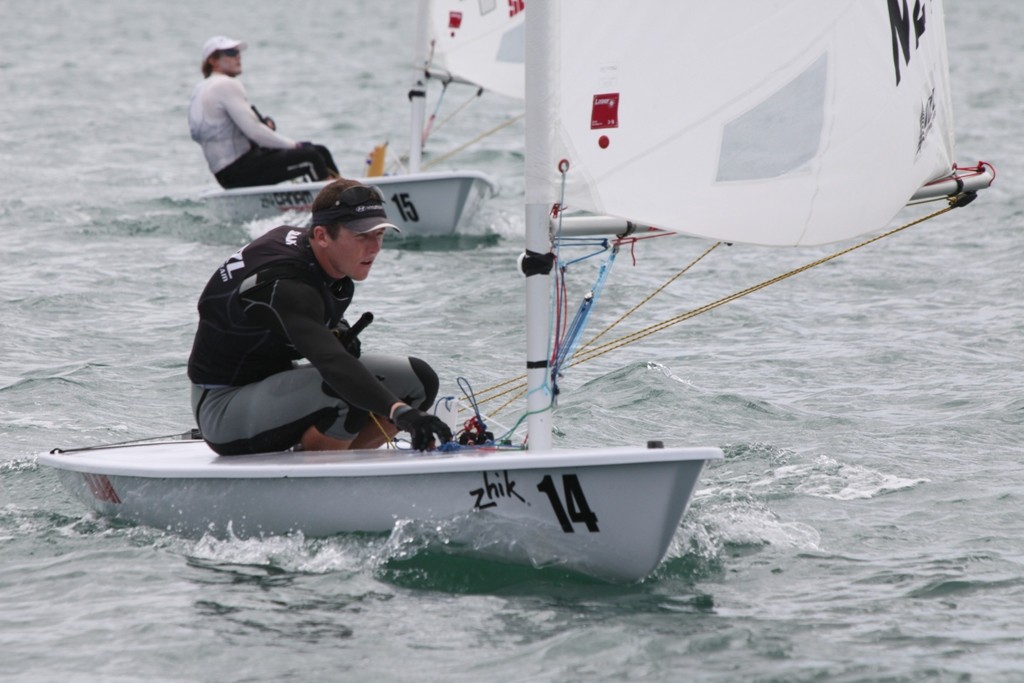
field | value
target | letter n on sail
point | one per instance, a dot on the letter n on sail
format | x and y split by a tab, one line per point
899	23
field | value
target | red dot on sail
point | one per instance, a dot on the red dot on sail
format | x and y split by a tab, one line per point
603	142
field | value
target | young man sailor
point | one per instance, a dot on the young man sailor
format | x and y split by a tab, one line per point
242	147
282	298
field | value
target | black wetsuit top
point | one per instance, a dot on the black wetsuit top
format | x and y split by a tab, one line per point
271	304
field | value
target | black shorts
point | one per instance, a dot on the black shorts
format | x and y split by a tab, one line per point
261	166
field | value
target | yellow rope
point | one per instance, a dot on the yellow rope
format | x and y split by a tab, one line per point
475	140
469	100
519	385
389	440
522	390
586	353
647	331
648	298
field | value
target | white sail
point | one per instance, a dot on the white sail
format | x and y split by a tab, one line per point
778	122
479	42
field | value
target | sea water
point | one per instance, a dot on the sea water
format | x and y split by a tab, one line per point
865	524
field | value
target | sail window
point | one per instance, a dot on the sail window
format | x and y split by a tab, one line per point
780	134
513	45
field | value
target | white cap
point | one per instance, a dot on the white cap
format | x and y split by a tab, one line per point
220	43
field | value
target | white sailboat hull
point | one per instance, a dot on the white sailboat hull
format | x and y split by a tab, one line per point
420	204
609	513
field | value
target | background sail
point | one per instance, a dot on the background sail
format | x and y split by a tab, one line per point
779	122
479	42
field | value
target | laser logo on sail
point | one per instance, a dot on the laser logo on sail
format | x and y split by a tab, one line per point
604	112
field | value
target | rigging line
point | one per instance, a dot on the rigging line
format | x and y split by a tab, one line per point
554	313
519	382
567	349
519	386
192	434
511	430
605	246
583	347
640	334
425	133
389	439
632	240
556	334
509	402
500	385
478	138
462	106
467	391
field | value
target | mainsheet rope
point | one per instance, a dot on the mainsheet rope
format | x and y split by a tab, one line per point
650	296
586	352
647	331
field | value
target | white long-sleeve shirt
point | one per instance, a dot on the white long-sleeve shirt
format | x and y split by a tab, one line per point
221	119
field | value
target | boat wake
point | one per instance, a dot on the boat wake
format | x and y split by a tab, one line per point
829	478
292	553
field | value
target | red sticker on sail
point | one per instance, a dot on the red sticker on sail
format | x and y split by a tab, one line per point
605	111
454	20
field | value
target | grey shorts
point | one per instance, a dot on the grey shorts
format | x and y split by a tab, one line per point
274	413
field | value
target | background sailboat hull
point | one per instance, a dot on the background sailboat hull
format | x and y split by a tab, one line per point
610	513
423	204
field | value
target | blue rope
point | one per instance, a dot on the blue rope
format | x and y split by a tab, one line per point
579	323
467	391
574	332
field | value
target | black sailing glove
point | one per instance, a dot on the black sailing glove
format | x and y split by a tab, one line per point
422	427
